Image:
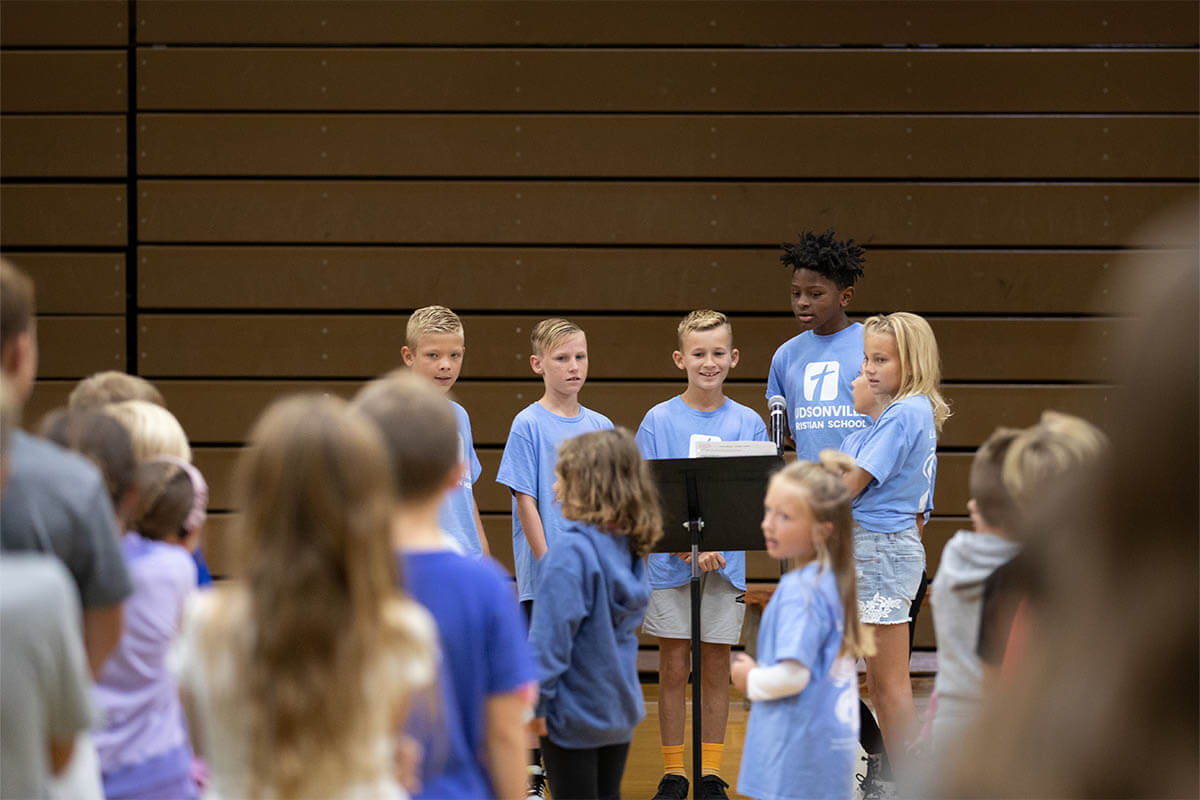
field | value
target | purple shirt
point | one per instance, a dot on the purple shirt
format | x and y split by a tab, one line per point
137	694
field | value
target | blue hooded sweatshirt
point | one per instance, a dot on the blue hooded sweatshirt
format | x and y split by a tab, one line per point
591	599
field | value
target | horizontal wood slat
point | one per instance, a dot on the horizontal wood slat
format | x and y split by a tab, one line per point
693	146
611	279
841	80
75	283
222	411
615	213
670	22
620	347
74	347
217	464
62	147
64	23
62	80
61	215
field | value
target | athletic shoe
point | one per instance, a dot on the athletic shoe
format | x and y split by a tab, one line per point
873	786
672	787
711	787
537	783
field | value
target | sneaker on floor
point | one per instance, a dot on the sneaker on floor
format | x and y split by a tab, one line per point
537	783
873	785
711	787
672	787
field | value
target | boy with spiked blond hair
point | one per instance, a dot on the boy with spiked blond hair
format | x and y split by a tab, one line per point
434	349
672	429
560	357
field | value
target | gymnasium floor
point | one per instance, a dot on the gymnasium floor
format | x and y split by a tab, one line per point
644	767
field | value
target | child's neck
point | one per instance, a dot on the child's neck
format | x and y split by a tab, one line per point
415	526
702	400
564	405
836	326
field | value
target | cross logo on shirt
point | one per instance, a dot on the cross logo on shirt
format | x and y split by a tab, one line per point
821	380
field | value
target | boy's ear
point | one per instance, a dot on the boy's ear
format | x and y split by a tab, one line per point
734	355
846	296
535	363
408	355
677	357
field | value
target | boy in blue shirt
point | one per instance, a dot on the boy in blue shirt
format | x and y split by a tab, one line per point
672	429
813	370
434	349
527	467
475	741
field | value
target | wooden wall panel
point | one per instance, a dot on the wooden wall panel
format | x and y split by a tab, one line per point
75	283
622	279
64	23
57	215
562	212
636	22
63	81
620	347
221	412
673	146
77	346
62	147
868	81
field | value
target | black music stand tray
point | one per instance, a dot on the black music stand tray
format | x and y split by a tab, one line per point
716	502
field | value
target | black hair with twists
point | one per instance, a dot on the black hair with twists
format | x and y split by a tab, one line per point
840	262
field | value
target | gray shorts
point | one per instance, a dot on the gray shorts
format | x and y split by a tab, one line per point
722	607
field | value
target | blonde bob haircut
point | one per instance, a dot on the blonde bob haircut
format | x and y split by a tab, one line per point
153	430
920	364
549	332
429	321
1045	453
605	483
821	488
704	319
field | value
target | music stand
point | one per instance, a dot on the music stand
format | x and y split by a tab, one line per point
718	502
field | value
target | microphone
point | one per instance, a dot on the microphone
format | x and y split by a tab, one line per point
777	405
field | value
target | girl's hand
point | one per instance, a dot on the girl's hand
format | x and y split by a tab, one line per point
711	561
742	664
538	726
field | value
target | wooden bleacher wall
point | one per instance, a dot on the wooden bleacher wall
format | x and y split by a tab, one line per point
243	199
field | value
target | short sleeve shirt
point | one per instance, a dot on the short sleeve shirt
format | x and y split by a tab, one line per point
457	514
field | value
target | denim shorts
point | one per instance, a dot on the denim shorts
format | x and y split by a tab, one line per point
888	568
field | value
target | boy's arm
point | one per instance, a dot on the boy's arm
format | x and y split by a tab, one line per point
507	742
483	541
531	523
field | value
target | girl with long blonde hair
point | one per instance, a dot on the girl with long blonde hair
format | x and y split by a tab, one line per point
591	598
299	672
803	727
892	485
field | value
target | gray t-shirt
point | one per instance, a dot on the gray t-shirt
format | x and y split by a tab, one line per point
42	668
56	502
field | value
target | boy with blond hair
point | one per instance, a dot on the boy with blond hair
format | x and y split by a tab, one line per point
434	349
486	682
672	429
560	356
102	388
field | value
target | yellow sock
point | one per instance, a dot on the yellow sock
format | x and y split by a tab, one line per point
673	759
710	757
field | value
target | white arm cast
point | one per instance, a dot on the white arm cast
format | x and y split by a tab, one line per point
779	680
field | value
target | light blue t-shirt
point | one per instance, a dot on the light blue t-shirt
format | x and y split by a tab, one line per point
671	430
803	745
527	466
900	452
813	373
457	513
